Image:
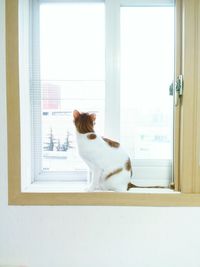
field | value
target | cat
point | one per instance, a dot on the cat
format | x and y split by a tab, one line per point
110	164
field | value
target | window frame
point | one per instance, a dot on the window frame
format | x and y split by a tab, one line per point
32	151
187	134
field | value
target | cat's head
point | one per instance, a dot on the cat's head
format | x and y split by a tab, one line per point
84	122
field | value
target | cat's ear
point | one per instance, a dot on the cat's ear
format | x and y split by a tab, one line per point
76	114
93	116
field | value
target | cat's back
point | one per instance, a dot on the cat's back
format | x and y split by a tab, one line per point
101	151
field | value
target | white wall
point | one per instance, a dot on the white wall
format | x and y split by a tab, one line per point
91	236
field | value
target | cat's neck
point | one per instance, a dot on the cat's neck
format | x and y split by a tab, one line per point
83	134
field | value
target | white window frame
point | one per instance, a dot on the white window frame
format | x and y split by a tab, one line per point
31	181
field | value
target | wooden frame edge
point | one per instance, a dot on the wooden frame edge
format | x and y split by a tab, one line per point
177	113
107	199
12	90
16	197
189	140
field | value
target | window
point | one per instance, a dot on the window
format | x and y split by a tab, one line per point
186	167
147	67
66	66
68	72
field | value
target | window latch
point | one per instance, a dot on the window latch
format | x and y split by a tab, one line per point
178	90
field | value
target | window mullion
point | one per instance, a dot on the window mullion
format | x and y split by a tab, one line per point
112	94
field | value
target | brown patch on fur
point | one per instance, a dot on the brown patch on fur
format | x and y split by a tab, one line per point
128	166
84	123
130	185
111	142
113	173
172	185
91	136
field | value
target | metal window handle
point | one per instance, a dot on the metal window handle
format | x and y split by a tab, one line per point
178	90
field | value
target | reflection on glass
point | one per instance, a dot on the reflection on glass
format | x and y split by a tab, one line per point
147	69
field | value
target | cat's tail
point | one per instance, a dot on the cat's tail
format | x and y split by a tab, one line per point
131	185
128	167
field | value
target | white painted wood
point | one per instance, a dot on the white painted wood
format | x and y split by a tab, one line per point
112	94
147	3
71	1
24	86
5	265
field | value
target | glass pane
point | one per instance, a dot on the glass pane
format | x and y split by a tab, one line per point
72	76
147	69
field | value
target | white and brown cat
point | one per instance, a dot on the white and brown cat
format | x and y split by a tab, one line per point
110	164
